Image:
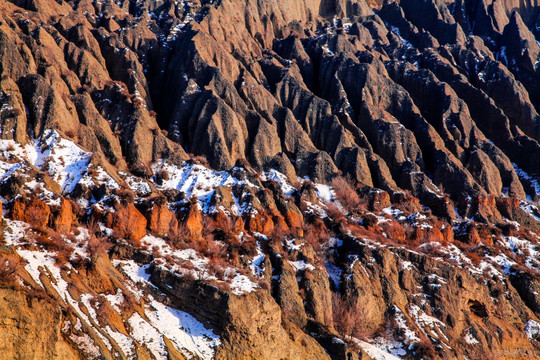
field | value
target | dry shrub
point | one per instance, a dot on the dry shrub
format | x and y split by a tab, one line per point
247	247
217	266
63	256
161	176
474	252
205	244
201	160
9	266
426	349
215	249
187	265
475	258
346	194
71	134
223	285
394	230
359	231
98	245
77	261
335	214
125	196
180	239
140	169
73	237
317	237
278	234
370	221
123	89
53	241
434	249
348	320
93	227
264	284
130	303
36	216
225	231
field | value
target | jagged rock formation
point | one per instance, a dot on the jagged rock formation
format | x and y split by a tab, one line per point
374	158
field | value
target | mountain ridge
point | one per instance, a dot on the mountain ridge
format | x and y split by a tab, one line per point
301	179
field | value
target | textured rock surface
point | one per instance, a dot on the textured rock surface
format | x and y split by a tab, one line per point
376	170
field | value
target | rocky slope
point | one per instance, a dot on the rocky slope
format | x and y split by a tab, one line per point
287	179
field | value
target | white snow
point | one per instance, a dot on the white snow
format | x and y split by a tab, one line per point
123	341
301	265
196	181
334	273
38	261
241	284
426	322
86	344
15	232
395	213
410	337
185	332
64	161
137	185
374	352
407	265
469	338
324	192
256	264
532	329
148	336
275	175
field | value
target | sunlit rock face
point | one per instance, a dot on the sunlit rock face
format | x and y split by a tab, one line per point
288	179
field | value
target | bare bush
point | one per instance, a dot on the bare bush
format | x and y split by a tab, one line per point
349	320
201	160
394	231
161	176
335	214
264	284
36	216
71	134
8	269
317	237
346	194
130	303
426	348
53	241
98	245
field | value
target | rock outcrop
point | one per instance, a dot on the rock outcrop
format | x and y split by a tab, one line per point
289	179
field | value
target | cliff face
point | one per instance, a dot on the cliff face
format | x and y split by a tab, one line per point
336	179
